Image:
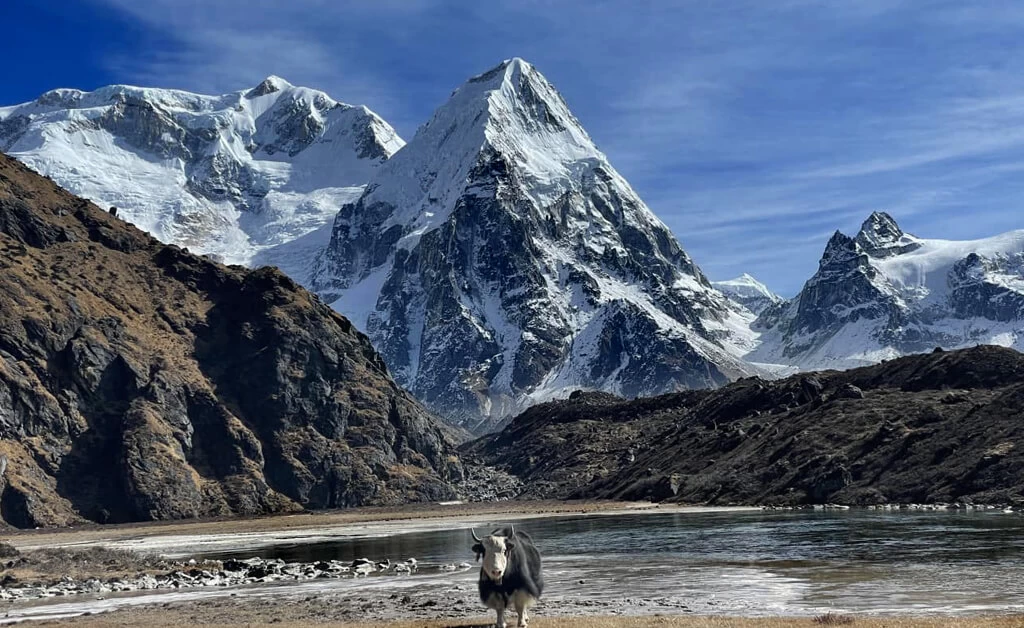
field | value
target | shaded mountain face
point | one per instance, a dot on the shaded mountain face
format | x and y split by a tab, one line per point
139	381
940	427
885	293
498	260
234	175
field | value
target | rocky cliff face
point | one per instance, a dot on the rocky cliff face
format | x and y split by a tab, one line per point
939	427
234	176
885	293
139	381
498	259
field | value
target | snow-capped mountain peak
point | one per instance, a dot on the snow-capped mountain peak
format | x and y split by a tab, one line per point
498	258
511	111
230	175
268	85
749	292
886	293
880	236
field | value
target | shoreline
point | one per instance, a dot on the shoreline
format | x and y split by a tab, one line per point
231	535
227	534
392	600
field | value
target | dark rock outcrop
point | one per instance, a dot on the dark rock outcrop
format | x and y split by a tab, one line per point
939	427
139	381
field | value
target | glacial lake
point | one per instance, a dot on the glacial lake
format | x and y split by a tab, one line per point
734	562
745	562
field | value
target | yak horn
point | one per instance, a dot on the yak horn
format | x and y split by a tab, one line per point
475	537
511	530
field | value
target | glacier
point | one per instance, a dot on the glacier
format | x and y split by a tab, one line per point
886	293
232	176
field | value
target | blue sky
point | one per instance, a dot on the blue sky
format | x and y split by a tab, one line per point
753	129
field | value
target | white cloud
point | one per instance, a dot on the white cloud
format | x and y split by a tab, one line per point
752	128
226	45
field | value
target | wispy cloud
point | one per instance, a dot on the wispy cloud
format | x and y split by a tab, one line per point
222	46
754	129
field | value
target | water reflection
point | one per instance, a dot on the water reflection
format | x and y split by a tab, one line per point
759	562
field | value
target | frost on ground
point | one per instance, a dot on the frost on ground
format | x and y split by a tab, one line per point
375	598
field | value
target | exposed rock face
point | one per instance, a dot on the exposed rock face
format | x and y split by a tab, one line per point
498	259
139	381
885	293
235	175
940	427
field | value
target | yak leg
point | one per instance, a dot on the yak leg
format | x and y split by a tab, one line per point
501	618
522	602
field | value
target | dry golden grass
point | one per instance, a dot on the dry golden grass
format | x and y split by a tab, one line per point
155	620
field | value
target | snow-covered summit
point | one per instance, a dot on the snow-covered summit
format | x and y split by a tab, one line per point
880	236
886	293
511	111
748	292
498	258
229	175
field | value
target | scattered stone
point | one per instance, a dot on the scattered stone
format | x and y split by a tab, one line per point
232	572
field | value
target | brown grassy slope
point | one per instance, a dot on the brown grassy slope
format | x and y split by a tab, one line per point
138	381
940	427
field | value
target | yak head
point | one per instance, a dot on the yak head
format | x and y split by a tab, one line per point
495	550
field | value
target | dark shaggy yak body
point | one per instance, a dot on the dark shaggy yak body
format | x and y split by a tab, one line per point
522	575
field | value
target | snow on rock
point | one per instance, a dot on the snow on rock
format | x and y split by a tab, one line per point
748	292
498	259
231	176
885	293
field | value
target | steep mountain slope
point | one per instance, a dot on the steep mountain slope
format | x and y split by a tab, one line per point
231	175
498	259
886	293
138	381
749	292
939	427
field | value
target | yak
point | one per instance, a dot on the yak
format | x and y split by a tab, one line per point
510	576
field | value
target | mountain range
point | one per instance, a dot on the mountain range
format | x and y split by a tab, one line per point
498	259
885	293
232	175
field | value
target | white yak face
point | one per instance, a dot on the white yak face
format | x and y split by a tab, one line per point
495	550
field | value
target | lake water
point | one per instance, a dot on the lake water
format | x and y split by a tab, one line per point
753	563
748	563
